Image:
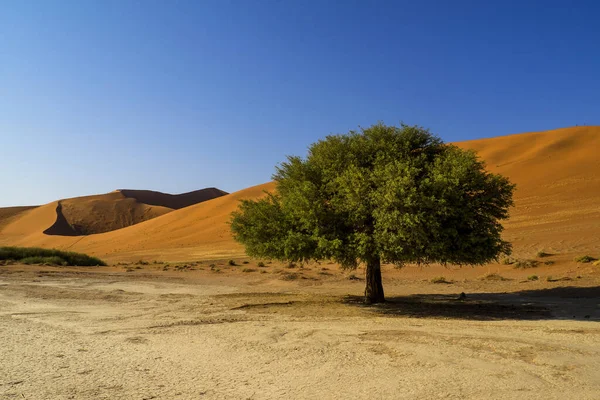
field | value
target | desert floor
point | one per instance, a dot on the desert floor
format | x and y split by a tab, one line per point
195	331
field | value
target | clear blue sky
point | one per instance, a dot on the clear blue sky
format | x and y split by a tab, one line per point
180	95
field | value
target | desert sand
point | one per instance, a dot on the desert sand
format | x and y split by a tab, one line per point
192	333
172	319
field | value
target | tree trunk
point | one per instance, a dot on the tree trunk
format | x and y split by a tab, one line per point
374	289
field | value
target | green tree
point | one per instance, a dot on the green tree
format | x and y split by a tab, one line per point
382	194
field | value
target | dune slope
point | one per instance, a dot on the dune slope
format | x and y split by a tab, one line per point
8	214
557	206
557	202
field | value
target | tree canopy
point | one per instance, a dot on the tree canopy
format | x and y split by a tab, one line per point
381	194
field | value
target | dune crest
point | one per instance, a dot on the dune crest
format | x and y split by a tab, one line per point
173	201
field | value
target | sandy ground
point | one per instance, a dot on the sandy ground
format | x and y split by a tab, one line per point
105	333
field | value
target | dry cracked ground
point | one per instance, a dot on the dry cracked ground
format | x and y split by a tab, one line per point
110	334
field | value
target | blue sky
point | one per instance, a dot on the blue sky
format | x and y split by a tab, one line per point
180	95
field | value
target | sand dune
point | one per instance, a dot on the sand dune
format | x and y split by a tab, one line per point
557	202
8	214
105	212
557	206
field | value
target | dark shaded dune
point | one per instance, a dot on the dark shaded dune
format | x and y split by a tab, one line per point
108	212
101	213
8	214
174	201
61	225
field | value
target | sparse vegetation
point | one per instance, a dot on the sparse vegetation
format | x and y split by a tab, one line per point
564	278
245	262
585	259
533	278
142	262
524	264
232	263
248	270
440	279
54	260
542	254
289	276
35	255
261	264
291	265
549	262
353	277
493	277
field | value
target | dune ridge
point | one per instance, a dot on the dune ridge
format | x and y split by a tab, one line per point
557	206
173	201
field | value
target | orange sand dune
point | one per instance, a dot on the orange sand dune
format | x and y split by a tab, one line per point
106	212
8	214
557	202
557	206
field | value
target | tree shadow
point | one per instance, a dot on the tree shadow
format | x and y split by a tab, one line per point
566	303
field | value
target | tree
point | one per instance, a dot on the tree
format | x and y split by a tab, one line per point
382	194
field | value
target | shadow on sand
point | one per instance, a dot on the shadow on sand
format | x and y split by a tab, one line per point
568	303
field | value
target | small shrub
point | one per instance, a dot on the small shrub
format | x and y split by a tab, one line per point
508	261
542	254
142	262
291	265
262	271
532	278
353	277
232	263
564	278
248	270
493	277
549	262
245	262
289	276
325	273
261	264
585	259
524	264
440	279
